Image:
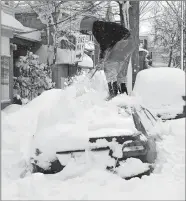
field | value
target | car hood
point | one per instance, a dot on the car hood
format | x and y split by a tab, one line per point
61	137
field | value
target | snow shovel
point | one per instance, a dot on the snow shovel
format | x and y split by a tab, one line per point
105	59
92	75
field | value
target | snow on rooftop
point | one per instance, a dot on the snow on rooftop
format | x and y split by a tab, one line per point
143	50
10	22
32	34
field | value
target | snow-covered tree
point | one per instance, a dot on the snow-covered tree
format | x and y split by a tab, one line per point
33	79
145	7
167	30
49	14
60	16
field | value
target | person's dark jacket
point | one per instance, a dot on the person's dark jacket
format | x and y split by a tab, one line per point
108	34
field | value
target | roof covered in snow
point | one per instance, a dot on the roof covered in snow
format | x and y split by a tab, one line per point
143	50
33	35
8	21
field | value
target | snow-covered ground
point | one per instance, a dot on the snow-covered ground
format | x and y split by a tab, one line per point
76	105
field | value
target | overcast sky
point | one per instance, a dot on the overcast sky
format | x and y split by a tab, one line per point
145	27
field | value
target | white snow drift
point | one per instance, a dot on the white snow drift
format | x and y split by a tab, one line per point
79	108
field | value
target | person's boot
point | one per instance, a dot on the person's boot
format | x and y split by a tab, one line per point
110	90
113	90
123	88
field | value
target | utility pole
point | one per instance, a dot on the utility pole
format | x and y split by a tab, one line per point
182	24
184	36
134	27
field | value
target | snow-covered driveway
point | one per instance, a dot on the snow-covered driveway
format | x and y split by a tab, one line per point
166	183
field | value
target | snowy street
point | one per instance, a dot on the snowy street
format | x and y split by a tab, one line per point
93	100
78	105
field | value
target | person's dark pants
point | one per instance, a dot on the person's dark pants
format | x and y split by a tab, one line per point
123	88
116	66
113	89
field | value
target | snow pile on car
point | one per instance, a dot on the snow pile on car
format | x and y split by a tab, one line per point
79	113
60	116
91	183
161	90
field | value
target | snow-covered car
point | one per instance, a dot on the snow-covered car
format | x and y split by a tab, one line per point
162	90
121	143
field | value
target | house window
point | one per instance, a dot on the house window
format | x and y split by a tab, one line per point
5	63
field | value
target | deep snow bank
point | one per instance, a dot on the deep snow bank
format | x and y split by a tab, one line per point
79	110
82	107
167	182
12	108
161	89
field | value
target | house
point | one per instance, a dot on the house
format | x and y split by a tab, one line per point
144	41
13	45
143	58
9	26
25	42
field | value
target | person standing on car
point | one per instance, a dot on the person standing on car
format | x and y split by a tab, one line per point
116	46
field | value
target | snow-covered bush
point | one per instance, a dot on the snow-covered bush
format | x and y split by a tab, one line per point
33	79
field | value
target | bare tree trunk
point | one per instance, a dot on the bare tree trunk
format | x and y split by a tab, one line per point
174	62
55	35
170	57
121	13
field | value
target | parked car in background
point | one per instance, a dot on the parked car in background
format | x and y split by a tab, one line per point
162	90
